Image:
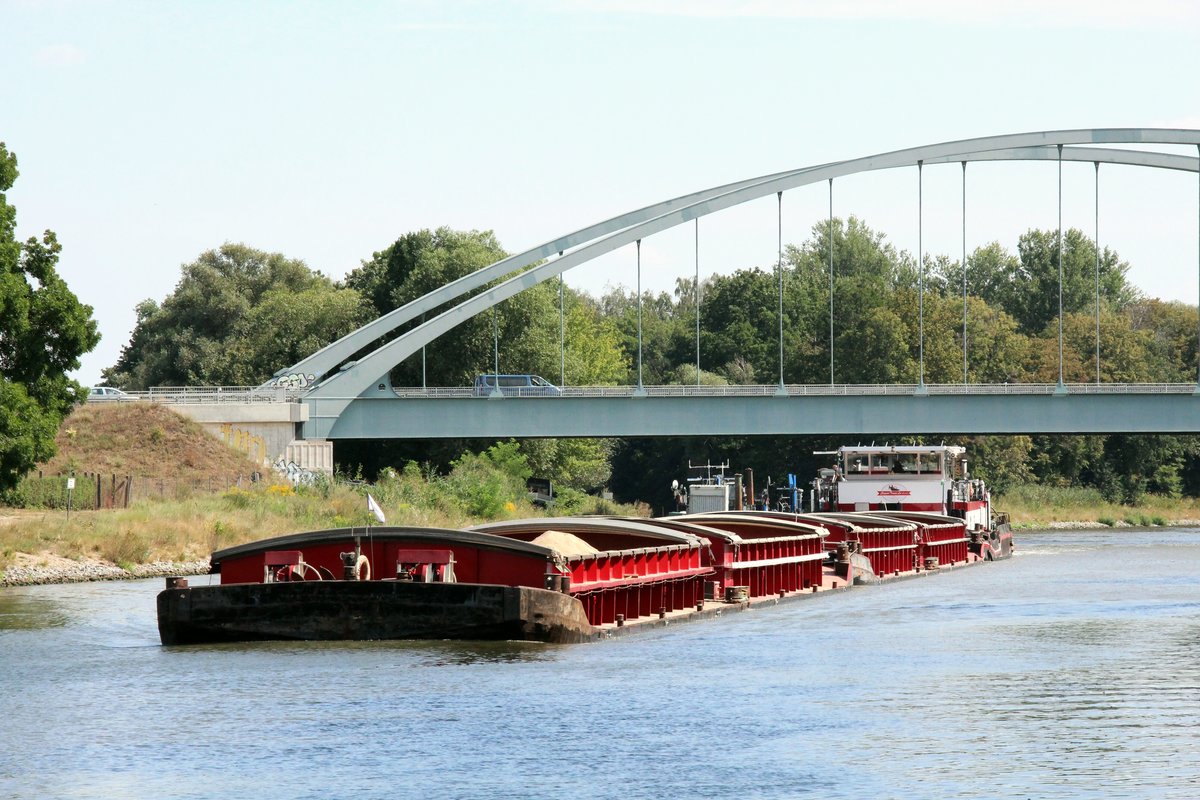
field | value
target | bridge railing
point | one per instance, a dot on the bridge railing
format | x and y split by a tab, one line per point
182	395
816	390
256	394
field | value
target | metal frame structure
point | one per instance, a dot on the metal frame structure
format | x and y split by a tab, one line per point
367	376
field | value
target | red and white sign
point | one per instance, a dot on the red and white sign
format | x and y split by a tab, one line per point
892	490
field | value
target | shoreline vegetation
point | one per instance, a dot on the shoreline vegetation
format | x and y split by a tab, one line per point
175	537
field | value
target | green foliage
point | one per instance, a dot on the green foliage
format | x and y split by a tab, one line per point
1002	461
668	332
1107	521
581	464
236	317
593	353
527	325
44	329
685	375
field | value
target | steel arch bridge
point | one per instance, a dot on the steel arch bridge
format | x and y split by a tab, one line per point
357	401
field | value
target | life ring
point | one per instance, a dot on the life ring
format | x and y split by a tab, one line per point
362	563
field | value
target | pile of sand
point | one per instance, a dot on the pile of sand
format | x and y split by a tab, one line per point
568	544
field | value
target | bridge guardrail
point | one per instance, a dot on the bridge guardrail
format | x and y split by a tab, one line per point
816	390
183	395
255	394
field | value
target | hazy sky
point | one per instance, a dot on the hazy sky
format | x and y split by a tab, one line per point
149	132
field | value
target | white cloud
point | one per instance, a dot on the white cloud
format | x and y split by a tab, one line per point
60	55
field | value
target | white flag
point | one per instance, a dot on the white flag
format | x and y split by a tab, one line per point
374	508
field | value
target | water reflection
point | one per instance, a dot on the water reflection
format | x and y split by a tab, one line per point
1071	671
20	611
426	653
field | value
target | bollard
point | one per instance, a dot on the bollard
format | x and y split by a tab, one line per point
662	613
814	590
620	620
349	566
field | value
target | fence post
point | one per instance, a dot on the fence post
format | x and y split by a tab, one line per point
128	488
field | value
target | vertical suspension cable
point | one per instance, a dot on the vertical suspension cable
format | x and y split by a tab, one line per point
1097	243
921	269
1060	271
831	281
696	289
779	269
562	332
639	309
495	351
964	268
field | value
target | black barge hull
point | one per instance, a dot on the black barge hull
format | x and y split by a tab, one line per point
351	610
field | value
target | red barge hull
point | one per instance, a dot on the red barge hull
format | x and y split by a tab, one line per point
549	580
363	610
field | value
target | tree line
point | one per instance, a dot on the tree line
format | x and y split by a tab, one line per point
238	315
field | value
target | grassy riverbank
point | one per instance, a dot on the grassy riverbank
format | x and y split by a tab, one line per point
1033	507
187	530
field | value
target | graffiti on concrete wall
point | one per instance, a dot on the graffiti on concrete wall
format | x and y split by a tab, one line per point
295	473
249	443
293	380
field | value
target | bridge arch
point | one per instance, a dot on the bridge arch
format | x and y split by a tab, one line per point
593	241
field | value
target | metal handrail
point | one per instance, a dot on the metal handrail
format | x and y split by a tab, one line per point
254	394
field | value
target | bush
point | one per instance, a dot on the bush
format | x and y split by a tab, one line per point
125	550
1107	521
490	484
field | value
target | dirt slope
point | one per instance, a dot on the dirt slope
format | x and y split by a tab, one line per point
142	439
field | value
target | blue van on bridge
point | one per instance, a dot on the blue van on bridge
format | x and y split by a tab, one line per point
516	386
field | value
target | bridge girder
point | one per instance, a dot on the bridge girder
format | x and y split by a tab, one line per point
853	415
591	242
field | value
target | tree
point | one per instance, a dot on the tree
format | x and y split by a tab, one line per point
867	272
1035	284
236	317
1171	327
740	324
594	356
992	276
526	325
668	332
44	329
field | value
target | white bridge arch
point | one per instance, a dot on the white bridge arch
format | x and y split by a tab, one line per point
335	389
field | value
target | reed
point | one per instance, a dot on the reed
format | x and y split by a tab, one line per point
190	528
1036	506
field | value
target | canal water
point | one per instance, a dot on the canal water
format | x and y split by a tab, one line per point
1071	671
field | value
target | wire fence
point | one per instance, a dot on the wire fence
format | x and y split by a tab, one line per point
92	491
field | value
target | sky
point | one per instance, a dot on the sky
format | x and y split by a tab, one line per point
150	132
